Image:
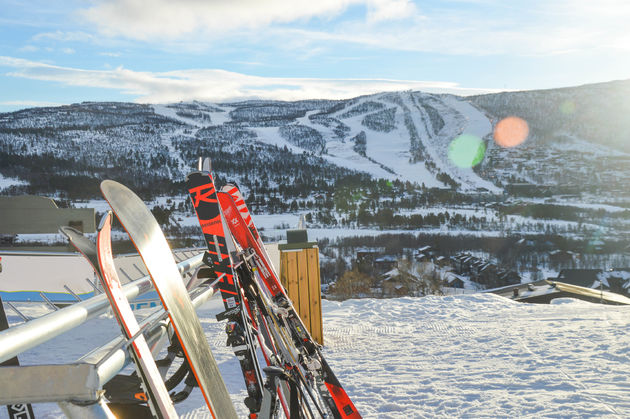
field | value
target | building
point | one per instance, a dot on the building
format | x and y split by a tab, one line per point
28	214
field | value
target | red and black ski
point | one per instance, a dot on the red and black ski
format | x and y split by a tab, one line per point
240	337
335	396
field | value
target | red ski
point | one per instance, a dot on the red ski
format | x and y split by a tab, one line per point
149	240
335	397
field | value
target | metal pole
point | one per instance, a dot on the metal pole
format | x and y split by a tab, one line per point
28	335
110	363
80	384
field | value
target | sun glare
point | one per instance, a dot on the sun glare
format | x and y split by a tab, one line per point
511	131
466	151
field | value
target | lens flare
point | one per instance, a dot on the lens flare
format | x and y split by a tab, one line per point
511	131
567	107
466	151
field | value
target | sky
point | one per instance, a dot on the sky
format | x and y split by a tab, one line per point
56	52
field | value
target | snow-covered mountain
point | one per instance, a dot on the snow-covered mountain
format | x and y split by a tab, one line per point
577	143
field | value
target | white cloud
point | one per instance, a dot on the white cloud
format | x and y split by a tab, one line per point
63	36
459	27
29	48
384	10
217	85
165	19
538	28
29	103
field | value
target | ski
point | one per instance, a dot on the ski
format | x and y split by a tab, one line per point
101	259
334	395
149	240
240	337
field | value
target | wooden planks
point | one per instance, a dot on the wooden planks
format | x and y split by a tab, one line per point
299	274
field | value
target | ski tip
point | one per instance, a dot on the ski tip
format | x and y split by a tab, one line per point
69	232
204	164
115	193
106	218
109	185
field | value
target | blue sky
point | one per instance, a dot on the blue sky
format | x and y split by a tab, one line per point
159	51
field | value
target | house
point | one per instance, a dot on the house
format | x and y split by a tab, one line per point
427	250
395	283
385	263
488	274
28	214
367	255
442	261
617	280
508	278
524	243
562	256
581	277
453	280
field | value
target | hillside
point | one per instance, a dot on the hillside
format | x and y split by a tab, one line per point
391	160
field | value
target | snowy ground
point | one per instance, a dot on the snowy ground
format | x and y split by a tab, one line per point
459	356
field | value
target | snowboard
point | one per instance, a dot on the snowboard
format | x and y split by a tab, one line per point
101	259
149	240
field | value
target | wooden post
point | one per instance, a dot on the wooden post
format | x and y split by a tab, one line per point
299	274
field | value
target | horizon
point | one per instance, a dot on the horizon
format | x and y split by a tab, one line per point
123	51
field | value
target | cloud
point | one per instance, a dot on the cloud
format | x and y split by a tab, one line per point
165	19
456	27
76	36
29	103
217	85
386	10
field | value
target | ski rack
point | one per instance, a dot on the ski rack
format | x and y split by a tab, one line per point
77	387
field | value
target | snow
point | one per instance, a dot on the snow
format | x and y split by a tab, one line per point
390	149
171	113
474	355
339	153
6	182
460	118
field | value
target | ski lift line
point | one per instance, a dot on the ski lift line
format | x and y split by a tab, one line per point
18	339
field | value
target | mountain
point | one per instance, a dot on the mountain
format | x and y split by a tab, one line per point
290	153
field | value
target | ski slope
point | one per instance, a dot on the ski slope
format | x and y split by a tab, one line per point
466	356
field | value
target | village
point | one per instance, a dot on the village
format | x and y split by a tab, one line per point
378	275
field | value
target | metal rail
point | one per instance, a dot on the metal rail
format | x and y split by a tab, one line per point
81	382
18	339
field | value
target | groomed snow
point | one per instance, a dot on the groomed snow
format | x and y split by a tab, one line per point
468	356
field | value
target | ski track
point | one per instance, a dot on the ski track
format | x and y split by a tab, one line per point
470	356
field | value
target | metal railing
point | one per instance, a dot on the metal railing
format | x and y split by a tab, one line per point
77	386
